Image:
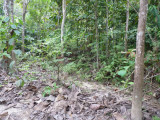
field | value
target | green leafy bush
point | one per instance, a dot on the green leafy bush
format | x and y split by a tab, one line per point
70	67
116	71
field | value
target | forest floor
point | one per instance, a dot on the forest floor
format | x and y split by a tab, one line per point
69	99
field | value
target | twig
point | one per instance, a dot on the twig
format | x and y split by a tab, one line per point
153	76
10	106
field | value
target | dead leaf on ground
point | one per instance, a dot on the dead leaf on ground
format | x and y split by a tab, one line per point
118	116
3	115
41	106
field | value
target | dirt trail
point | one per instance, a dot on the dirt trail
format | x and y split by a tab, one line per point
73	100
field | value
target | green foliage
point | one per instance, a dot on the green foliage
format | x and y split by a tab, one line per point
116	70
158	78
5	54
20	83
46	91
43	38
155	118
70	67
55	86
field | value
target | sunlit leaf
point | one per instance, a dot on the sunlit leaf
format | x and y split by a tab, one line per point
13	26
122	73
11	64
20	83
17	52
6	55
17	32
6	19
11	41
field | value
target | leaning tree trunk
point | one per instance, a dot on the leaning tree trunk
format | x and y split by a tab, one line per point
62	25
136	111
127	23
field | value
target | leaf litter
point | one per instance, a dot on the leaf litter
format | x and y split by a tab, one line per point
65	103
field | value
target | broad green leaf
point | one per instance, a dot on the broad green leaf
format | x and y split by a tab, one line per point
131	83
10	48
122	73
6	55
2	29
17	52
11	41
17	32
11	64
2	46
13	26
20	83
20	21
6	19
126	67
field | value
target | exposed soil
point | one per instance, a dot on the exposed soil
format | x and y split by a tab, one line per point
72	100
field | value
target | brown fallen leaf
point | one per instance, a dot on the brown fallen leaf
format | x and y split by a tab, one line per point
3	114
118	116
41	106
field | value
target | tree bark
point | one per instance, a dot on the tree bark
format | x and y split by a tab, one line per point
136	111
12	19
107	42
127	23
62	25
6	8
6	61
25	4
96	28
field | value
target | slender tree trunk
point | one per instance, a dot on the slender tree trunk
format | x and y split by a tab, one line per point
23	27
127	23
96	28
62	25
25	4
6	8
12	10
136	111
12	19
6	61
107	42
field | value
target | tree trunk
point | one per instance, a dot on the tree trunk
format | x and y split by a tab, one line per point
12	19
6	8
96	28
23	27
107	42
62	25
25	3
136	111
127	23
6	61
